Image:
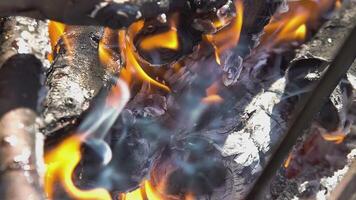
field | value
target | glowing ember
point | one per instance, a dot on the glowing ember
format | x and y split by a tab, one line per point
337	138
287	162
212	96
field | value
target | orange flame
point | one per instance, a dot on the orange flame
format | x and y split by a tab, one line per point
107	56
293	25
55	31
146	191
62	161
229	36
60	165
287	162
167	40
294	29
337	138
133	67
212	96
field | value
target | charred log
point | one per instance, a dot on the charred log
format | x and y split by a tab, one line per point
324	82
74	77
21	143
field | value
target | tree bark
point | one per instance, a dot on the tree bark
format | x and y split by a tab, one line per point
21	143
74	78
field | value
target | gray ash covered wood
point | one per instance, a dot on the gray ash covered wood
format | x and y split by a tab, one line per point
74	78
21	143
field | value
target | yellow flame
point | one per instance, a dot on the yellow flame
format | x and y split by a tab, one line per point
337	138
167	40
229	36
107	56
293	25
55	31
301	32
60	165
132	64
294	29
287	162
146	191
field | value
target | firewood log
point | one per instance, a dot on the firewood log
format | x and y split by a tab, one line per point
74	77
21	143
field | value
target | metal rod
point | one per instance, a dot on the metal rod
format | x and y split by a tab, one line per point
310	104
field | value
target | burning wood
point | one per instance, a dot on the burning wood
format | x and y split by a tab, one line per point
210	99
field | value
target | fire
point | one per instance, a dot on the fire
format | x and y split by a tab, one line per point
338	4
62	160
229	36
287	162
294	29
293	25
55	31
60	165
212	96
337	138
167	40
146	191
107	56
133	66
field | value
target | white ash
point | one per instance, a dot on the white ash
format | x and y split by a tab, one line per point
25	35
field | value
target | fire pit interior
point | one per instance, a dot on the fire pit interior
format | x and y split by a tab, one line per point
209	99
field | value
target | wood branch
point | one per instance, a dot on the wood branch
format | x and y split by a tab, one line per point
24	35
74	77
21	143
115	14
311	102
345	190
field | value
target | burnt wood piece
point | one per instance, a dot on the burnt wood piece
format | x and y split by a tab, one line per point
23	35
74	77
257	14
115	14
73	83
332	37
21	143
346	188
